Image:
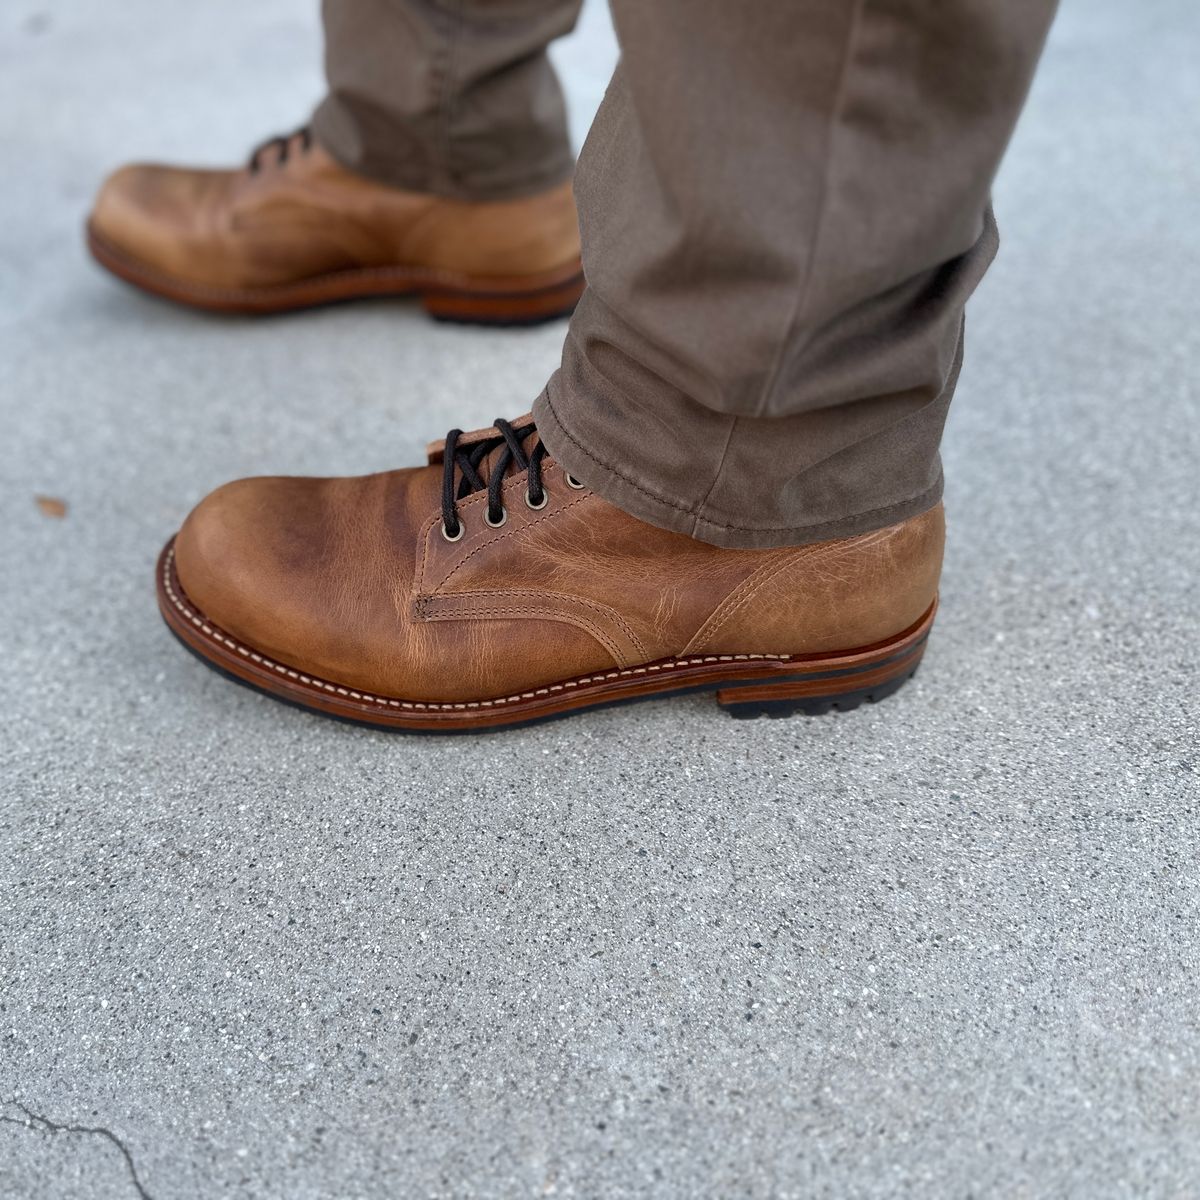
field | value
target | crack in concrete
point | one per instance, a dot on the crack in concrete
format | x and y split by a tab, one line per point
42	1124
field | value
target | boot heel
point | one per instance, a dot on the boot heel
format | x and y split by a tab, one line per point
814	695
531	307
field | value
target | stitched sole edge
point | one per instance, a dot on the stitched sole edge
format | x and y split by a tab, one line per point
817	676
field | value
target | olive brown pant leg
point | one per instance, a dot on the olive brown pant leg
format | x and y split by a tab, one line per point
784	208
455	97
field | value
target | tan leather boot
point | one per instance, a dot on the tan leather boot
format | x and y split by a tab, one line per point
491	588
293	228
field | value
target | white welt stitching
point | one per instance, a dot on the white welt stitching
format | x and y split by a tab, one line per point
429	705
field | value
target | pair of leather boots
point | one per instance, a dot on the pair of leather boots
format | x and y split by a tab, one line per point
488	587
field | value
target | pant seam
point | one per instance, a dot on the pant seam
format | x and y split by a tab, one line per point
822	208
444	74
717	473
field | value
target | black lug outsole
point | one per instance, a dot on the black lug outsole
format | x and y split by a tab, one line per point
817	706
502	322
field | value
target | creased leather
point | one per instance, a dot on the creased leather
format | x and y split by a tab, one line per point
351	580
309	216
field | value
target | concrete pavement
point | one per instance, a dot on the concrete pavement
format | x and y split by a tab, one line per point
947	946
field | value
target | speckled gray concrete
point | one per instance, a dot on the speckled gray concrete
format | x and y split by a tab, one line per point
943	947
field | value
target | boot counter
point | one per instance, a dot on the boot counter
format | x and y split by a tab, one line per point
834	595
500	238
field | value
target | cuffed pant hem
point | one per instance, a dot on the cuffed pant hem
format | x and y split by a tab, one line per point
410	174
717	529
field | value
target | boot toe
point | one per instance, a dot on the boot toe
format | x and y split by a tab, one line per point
128	209
154	217
293	569
231	558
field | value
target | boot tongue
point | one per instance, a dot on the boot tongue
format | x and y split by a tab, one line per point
488	464
435	451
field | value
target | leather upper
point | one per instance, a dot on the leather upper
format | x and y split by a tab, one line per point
352	580
308	216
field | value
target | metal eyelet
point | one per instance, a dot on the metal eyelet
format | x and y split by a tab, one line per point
530	504
487	516
573	482
458	536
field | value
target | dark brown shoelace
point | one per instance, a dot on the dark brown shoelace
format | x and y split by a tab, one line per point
465	463
281	144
